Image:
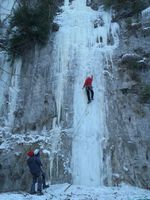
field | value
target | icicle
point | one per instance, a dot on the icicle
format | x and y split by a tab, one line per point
66	3
13	92
51	167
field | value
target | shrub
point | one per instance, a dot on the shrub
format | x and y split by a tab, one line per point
132	65
145	94
108	3
128	23
138	109
134	76
55	27
136	5
1	24
133	70
30	25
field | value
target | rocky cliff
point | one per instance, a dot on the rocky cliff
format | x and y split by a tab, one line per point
128	97
31	115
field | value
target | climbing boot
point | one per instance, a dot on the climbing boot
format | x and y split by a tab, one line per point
39	193
32	193
45	186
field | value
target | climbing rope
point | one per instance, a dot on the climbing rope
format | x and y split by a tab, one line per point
80	120
67	187
9	72
7	84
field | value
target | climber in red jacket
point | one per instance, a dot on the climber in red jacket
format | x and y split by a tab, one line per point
89	89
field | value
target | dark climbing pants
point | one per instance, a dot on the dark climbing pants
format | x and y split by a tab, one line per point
43	179
90	93
37	179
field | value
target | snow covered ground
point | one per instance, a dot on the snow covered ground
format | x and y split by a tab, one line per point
57	192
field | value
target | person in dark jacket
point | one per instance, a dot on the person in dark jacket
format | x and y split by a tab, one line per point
37	154
35	167
89	89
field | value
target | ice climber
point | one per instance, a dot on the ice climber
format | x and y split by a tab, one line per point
89	89
35	167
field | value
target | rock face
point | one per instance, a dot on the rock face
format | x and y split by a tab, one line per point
31	114
94	4
128	115
34	123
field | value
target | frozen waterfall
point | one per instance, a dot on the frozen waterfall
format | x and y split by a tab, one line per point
84	43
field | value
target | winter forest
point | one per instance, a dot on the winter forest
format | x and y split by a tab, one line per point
75	99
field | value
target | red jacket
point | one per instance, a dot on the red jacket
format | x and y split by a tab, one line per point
88	81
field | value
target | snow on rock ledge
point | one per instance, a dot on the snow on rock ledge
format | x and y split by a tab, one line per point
146	17
127	58
146	13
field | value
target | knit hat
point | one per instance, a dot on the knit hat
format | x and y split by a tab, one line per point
30	153
36	151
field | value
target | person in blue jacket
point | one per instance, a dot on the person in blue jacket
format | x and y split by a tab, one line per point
35	167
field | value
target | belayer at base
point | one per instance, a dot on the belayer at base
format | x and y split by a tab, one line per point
38	175
89	88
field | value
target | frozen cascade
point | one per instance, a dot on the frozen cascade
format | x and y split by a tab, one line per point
9	79
66	3
4	78
55	138
5	8
13	92
81	48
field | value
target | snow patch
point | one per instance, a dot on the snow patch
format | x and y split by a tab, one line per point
66	192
